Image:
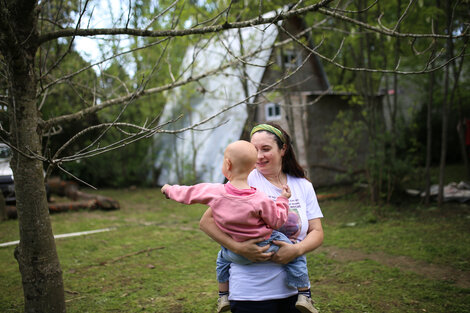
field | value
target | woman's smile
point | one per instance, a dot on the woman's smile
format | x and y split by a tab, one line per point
269	155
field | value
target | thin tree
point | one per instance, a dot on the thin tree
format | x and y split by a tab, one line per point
449	91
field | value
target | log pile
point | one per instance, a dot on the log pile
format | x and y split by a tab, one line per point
81	200
69	189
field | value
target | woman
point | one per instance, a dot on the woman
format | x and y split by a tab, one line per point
261	287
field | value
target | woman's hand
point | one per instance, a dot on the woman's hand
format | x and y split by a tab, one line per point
286	253
250	250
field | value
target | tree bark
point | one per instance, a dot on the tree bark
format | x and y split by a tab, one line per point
445	105
393	117
250	107
3	208
36	253
427	170
463	147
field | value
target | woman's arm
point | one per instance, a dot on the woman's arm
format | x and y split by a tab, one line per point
249	249
287	252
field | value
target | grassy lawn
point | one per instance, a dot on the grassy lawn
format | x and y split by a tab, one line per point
157	260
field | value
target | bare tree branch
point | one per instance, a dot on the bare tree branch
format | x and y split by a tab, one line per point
183	32
320	7
357	11
150	131
143	92
69	48
402	17
69	76
385	31
160	14
125	106
374	70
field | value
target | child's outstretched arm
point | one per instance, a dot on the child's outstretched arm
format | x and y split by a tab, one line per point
201	193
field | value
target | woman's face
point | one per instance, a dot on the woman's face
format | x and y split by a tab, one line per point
269	160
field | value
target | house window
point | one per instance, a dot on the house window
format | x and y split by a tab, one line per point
273	111
291	59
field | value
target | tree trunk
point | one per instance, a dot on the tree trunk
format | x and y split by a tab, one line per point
250	107
463	146
461	124
36	253
445	105
3	208
442	164
427	170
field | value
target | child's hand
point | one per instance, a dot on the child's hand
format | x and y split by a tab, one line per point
286	191
164	188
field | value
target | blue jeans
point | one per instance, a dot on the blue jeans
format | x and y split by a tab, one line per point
297	273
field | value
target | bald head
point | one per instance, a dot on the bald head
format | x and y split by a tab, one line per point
242	154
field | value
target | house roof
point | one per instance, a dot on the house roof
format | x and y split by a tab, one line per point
204	149
179	155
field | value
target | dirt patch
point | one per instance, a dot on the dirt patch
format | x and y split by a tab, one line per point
430	271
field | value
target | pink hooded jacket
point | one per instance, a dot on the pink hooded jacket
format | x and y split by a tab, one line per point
242	217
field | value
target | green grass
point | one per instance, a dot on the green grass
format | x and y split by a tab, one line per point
437	236
157	260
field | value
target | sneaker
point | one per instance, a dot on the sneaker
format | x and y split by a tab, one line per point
305	304
223	305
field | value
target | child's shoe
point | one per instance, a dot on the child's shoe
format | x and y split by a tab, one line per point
223	305
305	304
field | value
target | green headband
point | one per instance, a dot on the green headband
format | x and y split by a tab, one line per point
270	129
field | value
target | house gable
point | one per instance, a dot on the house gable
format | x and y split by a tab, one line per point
301	104
196	155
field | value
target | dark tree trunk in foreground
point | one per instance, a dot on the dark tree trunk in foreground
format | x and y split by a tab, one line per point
3	208
36	254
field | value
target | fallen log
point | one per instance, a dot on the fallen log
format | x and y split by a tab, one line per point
11	212
69	189
82	200
329	196
93	204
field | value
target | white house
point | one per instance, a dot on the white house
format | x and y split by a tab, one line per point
286	84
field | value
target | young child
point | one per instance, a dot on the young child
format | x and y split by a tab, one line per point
244	213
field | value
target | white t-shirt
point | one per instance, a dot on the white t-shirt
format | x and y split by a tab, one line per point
265	281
